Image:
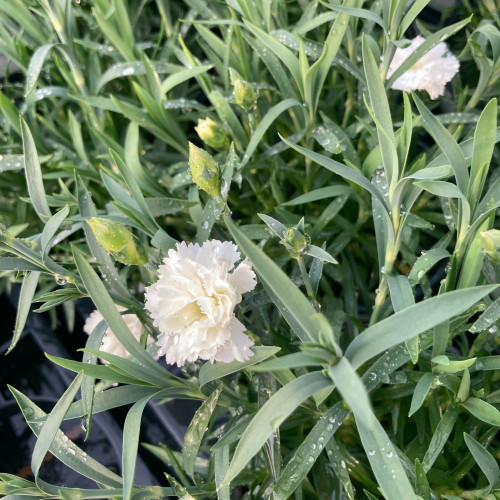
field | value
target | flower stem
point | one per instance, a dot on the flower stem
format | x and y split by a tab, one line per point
307	279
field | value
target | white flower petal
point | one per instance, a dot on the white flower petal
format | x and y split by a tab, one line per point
110	343
430	73
237	348
243	278
192	303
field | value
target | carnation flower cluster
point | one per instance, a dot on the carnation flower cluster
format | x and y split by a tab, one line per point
192	303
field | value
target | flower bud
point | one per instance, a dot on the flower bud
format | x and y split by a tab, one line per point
204	170
116	239
490	242
296	242
245	95
211	133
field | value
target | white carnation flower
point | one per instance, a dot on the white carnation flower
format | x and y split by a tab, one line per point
109	342
431	72
193	300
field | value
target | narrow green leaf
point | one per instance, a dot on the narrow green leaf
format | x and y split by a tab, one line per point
361	13
308	452
93	342
381	453
51	426
227	115
51	228
106	265
213	371
440	437
484	459
441	188
181	76
402	297
95	371
33	172
412	321
129	68
35	66
284	54
425	263
445	365
131	430
196	431
422	487
63	449
382	113
488	363
263	126
420	393
294	360
484	143
179	490
221	464
28	288
488	318
319	253
338	168
17	264
274	225
132	368
114	398
483	411
447	143
270	417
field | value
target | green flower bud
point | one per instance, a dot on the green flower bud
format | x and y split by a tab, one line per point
490	242
296	242
204	170
245	95
211	133
116	239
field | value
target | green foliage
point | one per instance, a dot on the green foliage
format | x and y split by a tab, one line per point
375	367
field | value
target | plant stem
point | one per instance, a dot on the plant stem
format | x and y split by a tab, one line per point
307	280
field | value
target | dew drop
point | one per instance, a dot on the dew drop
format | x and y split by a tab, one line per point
129	70
205	225
61	280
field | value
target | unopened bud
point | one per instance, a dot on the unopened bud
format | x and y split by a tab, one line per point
116	239
296	242
245	94
211	133
490	242
204	170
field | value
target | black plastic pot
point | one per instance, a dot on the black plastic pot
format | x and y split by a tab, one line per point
27	369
